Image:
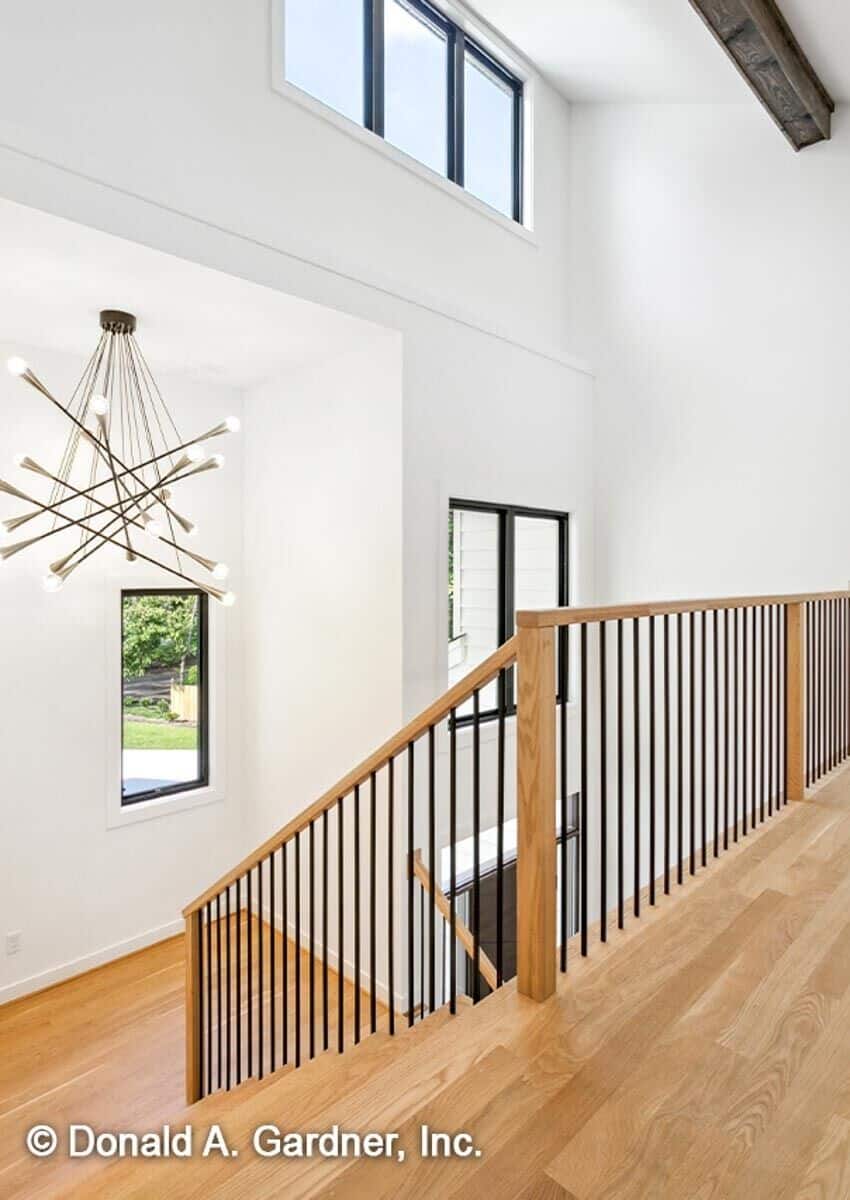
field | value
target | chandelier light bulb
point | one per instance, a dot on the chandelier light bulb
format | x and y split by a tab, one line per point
51	582
233	424
18	460
153	528
228	599
99	405
221	570
192	531
17	366
217	460
196	453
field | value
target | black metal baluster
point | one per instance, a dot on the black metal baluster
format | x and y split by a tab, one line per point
763	733
453	861
340	924
771	651
373	900
621	872
238	981
476	834
636	755
325	972
272	968
297	899
391	893
736	688
744	724
652	760
666	754
603	782
754	724
432	866
680	760
203	1016
218	989
260	925
411	999
807	609
703	733
819	690
357	992
229	996
726	729
584	827
284	920
208	917
692	745
715	661
500	835
311	933
563	691
249	938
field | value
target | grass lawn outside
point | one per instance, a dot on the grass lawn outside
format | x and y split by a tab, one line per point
156	735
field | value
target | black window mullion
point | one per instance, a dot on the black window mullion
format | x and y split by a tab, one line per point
456	60
507	570
373	65
518	152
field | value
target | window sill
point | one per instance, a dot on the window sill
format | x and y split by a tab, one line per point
378	144
120	815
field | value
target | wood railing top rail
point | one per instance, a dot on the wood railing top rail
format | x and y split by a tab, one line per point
437	711
547	617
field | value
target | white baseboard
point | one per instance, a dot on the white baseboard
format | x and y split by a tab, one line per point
35	983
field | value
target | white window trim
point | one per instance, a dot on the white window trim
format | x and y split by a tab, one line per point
119	815
353	129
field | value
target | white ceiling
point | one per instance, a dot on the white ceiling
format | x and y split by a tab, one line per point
656	50
58	275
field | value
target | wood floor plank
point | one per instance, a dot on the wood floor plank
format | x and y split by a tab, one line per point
703	1053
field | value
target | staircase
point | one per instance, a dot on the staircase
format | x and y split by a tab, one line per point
344	958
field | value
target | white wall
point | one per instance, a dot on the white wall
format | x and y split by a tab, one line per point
174	103
77	890
166	131
323	575
710	272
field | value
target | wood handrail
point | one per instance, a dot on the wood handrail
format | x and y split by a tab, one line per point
547	617
462	930
438	710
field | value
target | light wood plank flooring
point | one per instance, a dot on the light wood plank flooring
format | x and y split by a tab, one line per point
702	1053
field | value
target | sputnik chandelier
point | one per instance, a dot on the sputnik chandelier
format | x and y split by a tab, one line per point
115	483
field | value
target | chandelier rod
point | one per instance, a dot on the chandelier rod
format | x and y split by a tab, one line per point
81	524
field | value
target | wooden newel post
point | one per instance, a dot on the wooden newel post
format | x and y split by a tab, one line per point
193	1007
795	755
536	878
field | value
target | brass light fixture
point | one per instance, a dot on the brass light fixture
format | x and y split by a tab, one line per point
122	462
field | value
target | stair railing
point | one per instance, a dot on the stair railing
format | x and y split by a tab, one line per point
648	739
325	933
696	721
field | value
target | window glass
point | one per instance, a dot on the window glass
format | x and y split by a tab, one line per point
501	559
473	595
536	563
415	85
488	136
163	667
323	52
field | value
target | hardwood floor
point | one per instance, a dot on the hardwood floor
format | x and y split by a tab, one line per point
702	1053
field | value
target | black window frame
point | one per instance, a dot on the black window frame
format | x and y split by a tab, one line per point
203	779
458	45
507	514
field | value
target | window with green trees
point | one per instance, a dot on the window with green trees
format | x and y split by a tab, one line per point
164	743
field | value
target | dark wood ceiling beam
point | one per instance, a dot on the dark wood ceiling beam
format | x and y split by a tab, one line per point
760	43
